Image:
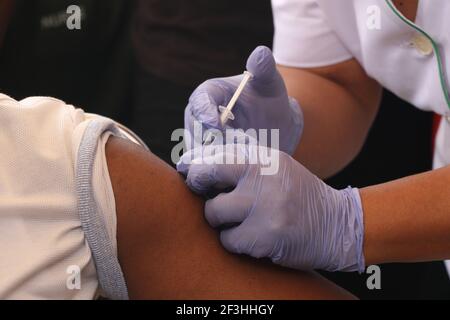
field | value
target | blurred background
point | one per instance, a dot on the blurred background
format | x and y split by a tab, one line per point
138	62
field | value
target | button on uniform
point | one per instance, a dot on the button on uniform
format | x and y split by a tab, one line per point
422	44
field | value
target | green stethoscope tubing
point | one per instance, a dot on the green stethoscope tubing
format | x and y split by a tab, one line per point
436	49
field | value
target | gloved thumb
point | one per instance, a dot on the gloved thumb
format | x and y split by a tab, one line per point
267	79
214	173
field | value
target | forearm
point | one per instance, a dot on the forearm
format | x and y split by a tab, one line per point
408	220
337	120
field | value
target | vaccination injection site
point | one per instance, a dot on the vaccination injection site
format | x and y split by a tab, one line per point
227	158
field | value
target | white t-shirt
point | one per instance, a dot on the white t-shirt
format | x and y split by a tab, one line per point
411	60
57	208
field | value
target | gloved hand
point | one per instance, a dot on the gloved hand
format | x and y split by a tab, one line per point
291	217
264	104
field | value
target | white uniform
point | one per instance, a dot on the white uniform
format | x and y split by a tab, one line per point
57	208
410	59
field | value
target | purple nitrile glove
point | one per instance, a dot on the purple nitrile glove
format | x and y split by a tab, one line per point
264	103
289	216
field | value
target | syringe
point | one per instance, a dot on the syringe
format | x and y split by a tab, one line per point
227	113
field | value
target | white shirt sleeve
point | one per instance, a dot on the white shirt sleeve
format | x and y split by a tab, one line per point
303	37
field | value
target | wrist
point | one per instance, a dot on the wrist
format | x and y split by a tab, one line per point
359	229
297	119
349	235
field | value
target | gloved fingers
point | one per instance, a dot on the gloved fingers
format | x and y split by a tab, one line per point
245	239
227	209
206	177
266	78
204	154
215	167
233	241
184	164
242	240
241	150
205	101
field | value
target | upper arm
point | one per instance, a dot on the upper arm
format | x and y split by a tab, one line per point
348	75
167	251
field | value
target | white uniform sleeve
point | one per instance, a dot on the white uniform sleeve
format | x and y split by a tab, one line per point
303	37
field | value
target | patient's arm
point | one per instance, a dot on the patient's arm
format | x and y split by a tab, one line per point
167	251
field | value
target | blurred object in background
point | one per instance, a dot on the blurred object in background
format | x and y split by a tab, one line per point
181	43
6	7
90	67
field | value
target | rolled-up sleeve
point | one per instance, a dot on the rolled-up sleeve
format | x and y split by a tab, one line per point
303	37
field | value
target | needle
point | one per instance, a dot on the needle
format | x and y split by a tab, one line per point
227	113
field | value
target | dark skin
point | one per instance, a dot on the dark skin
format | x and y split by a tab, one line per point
168	251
